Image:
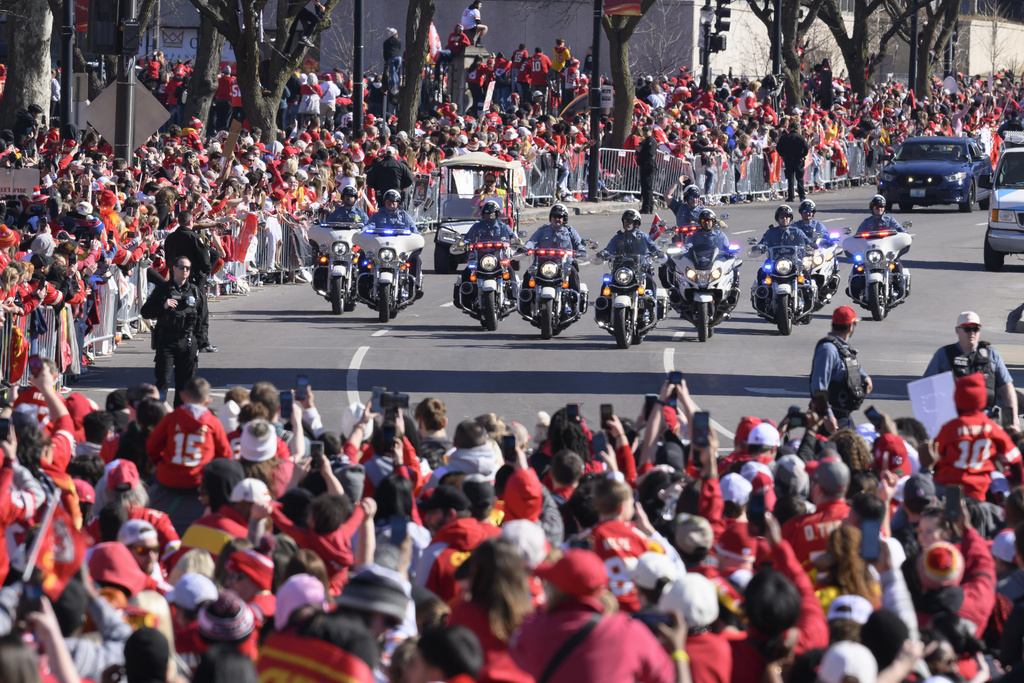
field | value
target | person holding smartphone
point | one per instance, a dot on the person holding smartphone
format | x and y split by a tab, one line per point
835	368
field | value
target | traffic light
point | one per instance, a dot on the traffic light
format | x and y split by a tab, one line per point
718	42
722	14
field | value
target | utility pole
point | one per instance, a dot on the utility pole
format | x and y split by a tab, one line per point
777	41
67	71
914	40
593	171
357	66
128	42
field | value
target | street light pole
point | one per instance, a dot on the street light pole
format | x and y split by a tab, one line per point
67	71
357	66
777	41
593	171
914	40
124	143
707	14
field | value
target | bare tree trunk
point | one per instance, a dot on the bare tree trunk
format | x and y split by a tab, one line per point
29	25
417	37
619	29
203	85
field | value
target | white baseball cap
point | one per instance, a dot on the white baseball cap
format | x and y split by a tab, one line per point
763	435
652	567
736	489
1003	547
250	491
852	607
968	318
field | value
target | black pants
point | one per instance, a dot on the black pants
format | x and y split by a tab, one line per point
647	191
221	114
203	335
795	175
180	357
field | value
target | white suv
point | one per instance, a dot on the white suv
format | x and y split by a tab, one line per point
1005	234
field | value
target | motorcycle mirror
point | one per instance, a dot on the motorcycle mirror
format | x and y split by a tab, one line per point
751	241
847	231
724	216
908	224
522	234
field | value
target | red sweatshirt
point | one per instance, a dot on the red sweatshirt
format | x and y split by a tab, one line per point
808	534
452	546
181	445
335	548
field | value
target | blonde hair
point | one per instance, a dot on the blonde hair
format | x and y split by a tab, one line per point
156	604
195	561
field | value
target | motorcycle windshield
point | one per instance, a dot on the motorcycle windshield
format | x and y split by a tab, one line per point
703	256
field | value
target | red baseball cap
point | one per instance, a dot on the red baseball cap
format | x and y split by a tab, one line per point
580	573
86	493
123	476
844	315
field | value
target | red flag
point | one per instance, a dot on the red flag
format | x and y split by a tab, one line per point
62	552
910	96
626	7
245	238
996	143
434	41
657	227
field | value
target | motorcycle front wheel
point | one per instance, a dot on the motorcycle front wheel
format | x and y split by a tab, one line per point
783	318
546	318
336	296
703	320
876	299
384	303
622	324
489	312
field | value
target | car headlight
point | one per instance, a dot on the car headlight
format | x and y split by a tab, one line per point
387	254
548	270
1004	216
448	236
784	267
818	259
623	276
339	248
956	177
691	274
716	273
887	177
488	262
874	256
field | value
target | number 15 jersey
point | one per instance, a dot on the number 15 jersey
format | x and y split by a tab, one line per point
183	442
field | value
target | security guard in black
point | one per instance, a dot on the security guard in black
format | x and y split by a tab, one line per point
178	306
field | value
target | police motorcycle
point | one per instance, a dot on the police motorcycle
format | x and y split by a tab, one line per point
546	300
385	281
824	261
333	254
628	308
878	281
783	291
490	291
706	281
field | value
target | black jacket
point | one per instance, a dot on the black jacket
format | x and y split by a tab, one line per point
646	157
179	326
187	243
392	48
24	127
388	174
792	148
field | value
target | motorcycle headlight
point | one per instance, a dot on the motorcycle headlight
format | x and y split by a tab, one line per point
956	177
623	276
488	262
784	267
691	274
339	248
874	256
818	259
548	270
387	254
807	262
716	273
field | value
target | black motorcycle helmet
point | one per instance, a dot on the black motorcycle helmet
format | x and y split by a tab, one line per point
491	209
807	206
783	211
393	196
691	192
559	210
707	220
349	192
878	200
630	219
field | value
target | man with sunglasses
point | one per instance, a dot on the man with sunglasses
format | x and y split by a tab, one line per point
142	540
179	307
814	229
970	355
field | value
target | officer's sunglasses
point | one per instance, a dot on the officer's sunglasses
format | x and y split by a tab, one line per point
180	267
970	329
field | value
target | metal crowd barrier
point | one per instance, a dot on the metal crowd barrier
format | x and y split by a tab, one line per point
541	178
102	336
133	290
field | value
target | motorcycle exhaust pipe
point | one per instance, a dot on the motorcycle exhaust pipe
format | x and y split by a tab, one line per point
467	288
675	297
602	303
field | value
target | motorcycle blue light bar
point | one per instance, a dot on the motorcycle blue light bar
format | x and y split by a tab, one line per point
733	247
834	235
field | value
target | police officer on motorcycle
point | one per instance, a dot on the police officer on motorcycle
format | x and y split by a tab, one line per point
630	241
687	211
348	212
814	229
835	369
878	220
709	236
784	234
178	306
558	234
390	216
488	229
970	355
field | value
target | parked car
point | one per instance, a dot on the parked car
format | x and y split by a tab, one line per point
927	171
1005	234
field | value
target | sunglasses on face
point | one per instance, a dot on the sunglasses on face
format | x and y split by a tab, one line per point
971	329
145	550
180	267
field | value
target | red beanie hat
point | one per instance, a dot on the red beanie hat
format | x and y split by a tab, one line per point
524	496
970	394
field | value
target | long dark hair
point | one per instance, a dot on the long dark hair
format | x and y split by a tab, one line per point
393	496
499	584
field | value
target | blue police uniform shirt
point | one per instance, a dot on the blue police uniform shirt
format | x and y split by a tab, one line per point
940	364
828	366
777	236
812	228
345	214
488	230
886	222
400	220
706	240
548	237
631	242
685	214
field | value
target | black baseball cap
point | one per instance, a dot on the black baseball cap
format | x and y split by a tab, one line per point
446	497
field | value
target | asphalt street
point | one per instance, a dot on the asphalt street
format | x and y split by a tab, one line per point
746	368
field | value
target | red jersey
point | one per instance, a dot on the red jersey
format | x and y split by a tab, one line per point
181	445
808	534
165	533
539	65
620	545
965	447
224	85
236	95
33	397
335	548
519	58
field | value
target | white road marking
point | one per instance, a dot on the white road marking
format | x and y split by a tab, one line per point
832	220
678	335
742	232
449	304
981	223
381	332
668	360
352	380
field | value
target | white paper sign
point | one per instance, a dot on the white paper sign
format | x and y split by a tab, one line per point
932	401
